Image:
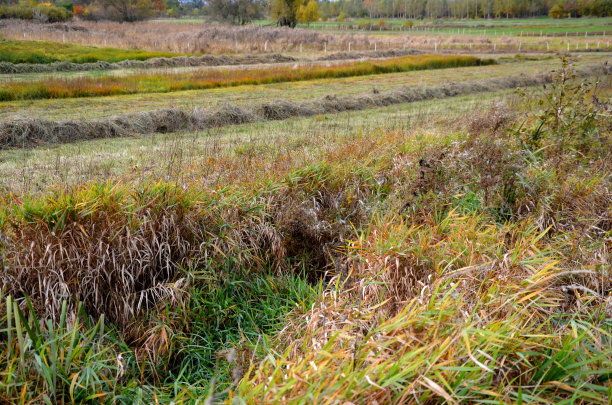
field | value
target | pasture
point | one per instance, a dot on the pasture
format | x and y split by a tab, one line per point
319	215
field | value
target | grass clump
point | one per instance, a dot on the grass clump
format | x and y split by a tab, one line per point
159	83
44	52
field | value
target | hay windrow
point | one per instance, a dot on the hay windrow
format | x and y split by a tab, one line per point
179	61
31	132
190	61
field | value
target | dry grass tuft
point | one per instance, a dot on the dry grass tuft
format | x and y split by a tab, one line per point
120	252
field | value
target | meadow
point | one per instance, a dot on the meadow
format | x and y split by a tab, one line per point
514	26
427	228
206	79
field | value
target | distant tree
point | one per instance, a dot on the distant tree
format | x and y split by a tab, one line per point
342	16
309	13
285	11
556	11
126	10
172	7
235	11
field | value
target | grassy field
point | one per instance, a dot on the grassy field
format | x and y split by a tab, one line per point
151	158
514	26
534	25
452	229
206	79
48	52
97	107
355	233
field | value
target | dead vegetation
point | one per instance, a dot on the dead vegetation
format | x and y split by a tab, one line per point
207	39
221	39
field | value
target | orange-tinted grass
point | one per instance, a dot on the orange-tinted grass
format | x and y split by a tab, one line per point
159	83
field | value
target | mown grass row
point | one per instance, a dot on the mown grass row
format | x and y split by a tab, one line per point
49	52
157	83
467	268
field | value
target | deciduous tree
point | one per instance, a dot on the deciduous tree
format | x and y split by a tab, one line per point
127	10
309	13
235	11
285	11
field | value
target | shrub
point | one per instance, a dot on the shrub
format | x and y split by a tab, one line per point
78	11
569	113
556	11
43	12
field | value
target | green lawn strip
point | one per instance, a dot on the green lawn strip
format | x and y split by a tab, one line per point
49	52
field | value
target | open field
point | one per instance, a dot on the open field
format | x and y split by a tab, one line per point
308	228
207	79
137	160
97	107
514	26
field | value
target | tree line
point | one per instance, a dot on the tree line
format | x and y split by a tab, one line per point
291	12
418	9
